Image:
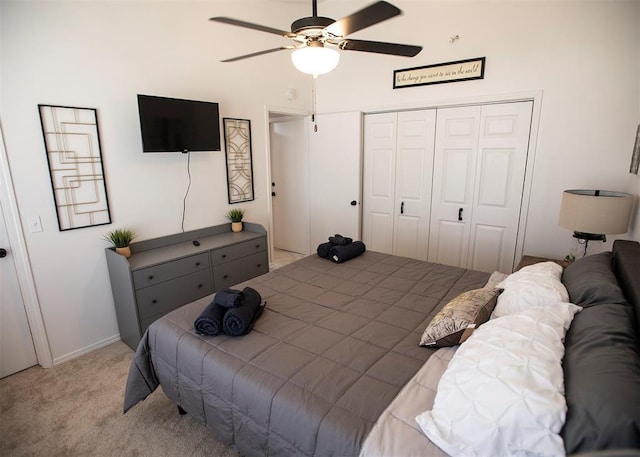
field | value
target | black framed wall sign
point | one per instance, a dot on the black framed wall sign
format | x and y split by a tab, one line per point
459	70
72	143
237	140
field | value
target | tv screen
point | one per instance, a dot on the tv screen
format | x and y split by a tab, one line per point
172	124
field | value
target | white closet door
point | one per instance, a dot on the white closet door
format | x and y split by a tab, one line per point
456	144
480	155
335	176
413	178
500	170
398	168
379	176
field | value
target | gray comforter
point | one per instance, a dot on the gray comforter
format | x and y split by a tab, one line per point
334	346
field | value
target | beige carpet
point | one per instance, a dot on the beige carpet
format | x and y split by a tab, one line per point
75	409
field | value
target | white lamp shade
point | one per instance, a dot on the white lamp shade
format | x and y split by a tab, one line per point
606	213
315	60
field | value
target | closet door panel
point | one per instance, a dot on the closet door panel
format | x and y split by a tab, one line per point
456	142
379	182
502	156
451	248
488	247
413	180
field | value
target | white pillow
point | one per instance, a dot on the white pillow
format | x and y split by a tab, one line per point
534	285
503	391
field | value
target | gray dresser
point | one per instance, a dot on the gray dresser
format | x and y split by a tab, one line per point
165	273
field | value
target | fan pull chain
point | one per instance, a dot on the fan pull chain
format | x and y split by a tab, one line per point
313	111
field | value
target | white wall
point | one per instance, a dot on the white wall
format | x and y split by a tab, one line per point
583	56
100	55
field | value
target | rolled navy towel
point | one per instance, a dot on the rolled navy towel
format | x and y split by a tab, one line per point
339	254
210	321
340	240
239	320
324	248
228	297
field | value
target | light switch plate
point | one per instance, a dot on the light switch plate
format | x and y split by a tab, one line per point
35	225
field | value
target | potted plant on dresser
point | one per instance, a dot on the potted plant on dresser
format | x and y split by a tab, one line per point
235	215
121	239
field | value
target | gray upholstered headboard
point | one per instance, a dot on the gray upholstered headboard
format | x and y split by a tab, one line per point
626	264
602	360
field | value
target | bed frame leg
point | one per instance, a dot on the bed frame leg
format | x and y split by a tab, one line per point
181	411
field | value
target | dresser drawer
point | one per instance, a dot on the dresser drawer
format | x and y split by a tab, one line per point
159	273
240	270
161	298
236	251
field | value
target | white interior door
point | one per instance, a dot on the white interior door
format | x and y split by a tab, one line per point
379	181
457	131
500	171
290	184
480	155
413	179
16	344
335	169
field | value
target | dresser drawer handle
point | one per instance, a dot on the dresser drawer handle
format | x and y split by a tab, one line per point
150	277
197	264
257	246
225	276
199	286
259	265
154	301
223	255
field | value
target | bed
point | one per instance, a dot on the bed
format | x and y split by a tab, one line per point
332	363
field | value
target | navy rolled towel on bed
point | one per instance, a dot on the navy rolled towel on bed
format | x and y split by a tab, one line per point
210	321
339	254
228	297
340	240
239	320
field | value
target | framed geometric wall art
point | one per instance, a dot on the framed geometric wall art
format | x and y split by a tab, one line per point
72	144
237	140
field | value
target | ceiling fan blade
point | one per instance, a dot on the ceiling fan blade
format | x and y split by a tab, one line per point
380	47
259	53
250	25
370	15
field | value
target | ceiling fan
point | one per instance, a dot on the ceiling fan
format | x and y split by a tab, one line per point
316	38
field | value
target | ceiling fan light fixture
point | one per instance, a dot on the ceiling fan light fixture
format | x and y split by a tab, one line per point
315	60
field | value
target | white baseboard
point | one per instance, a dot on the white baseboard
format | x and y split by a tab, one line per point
86	350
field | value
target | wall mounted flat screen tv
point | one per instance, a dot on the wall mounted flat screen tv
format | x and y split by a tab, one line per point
172	124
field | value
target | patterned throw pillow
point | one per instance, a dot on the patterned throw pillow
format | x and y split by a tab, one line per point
457	320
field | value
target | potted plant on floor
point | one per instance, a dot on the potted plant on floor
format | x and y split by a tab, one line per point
121	239
235	215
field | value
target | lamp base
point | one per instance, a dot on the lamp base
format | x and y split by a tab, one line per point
586	237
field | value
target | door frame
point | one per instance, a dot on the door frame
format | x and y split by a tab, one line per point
534	96
270	110
22	262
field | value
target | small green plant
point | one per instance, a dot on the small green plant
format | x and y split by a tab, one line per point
120	238
235	215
